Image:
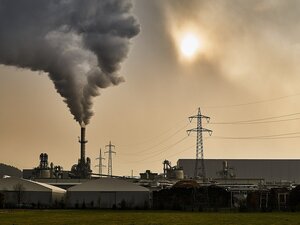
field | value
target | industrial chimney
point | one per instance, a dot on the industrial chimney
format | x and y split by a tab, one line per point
82	142
83	168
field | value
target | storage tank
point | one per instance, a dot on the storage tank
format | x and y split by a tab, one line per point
44	173
176	174
179	175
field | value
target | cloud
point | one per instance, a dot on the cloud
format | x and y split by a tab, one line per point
251	43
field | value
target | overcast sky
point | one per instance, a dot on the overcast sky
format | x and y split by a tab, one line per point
249	53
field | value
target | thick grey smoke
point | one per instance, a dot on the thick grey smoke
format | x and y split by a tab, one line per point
80	44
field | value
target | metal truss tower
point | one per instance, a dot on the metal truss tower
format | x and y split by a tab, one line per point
199	166
110	152
100	164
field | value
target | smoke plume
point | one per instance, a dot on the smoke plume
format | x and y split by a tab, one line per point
80	44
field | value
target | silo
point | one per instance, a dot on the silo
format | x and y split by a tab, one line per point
179	175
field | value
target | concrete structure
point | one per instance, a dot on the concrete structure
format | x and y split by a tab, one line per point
43	171
148	175
107	193
17	191
239	181
172	172
31	174
82	170
271	170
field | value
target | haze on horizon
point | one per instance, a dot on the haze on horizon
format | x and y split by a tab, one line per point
246	51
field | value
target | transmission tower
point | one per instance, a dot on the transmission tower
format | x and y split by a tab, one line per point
100	165
110	152
199	166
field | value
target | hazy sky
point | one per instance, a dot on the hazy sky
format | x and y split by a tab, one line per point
249	52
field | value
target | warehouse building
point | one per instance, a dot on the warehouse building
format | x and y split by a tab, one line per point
270	170
26	193
107	193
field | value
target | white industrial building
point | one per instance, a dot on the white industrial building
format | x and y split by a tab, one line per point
108	193
22	192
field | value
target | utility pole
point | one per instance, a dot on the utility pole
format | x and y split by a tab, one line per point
199	166
110	152
100	165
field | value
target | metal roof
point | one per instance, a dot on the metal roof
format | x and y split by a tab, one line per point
108	185
9	184
268	169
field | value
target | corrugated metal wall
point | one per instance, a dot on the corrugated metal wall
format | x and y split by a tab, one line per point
269	169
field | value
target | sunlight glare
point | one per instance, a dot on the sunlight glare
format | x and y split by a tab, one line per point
190	45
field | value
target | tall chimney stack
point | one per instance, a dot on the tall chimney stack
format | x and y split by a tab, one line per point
82	142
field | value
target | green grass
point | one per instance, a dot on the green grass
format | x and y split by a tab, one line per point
90	217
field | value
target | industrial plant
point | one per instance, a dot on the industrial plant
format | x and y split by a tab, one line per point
190	184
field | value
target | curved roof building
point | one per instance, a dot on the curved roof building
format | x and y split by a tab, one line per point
108	193
17	191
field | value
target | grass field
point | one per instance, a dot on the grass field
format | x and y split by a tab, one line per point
90	217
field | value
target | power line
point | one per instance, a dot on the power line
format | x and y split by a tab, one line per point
159	143
251	103
257	137
288	137
153	137
257	122
170	156
261	120
158	135
160	151
188	148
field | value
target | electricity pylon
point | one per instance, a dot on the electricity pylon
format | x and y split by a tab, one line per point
100	164
110	152
199	166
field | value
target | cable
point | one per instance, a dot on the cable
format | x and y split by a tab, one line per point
256	137
258	122
289	137
158	135
170	156
156	145
261	120
251	103
161	150
151	138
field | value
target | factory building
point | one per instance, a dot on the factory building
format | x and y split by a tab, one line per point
26	193
82	170
107	193
268	170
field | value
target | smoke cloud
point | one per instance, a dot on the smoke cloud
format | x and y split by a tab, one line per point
80	44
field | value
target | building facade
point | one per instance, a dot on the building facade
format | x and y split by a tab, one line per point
270	170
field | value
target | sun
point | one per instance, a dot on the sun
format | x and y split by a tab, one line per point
190	45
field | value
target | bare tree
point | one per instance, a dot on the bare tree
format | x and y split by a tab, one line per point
2	200
19	191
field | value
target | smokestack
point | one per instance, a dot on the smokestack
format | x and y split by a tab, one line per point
82	142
